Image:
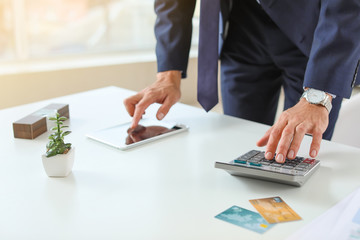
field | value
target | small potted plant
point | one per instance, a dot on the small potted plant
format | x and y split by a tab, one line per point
59	158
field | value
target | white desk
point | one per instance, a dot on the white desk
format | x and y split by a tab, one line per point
163	190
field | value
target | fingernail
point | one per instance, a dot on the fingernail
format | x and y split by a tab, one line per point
291	154
280	158
160	116
268	155
313	153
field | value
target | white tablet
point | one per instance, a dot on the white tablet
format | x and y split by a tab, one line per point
118	136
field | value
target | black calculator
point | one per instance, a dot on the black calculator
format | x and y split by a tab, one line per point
254	165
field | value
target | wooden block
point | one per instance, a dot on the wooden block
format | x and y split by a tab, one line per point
62	109
30	127
51	109
35	124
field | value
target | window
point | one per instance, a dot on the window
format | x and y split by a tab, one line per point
7	42
33	29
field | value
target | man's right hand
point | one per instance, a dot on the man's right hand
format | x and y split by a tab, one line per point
166	91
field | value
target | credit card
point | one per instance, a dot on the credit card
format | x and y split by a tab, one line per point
245	218
275	210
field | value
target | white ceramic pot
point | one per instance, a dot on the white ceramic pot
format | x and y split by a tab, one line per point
59	165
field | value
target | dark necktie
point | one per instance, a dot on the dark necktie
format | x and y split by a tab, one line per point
208	53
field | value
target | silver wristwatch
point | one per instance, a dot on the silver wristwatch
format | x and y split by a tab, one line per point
314	96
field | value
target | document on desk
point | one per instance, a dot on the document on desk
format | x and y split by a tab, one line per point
341	222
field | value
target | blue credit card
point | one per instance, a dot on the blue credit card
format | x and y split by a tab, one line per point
245	218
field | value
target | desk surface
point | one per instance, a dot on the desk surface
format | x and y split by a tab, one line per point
167	189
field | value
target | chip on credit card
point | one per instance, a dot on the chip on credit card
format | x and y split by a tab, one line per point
275	210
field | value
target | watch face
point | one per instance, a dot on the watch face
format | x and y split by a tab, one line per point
315	96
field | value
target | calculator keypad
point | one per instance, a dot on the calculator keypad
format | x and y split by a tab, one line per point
256	159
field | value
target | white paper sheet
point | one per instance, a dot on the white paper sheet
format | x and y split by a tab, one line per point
341	222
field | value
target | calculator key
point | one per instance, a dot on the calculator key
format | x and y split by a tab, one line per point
243	158
300	168
287	167
304	165
240	161
300	172
309	161
250	154
292	164
255	164
253	161
266	163
257	157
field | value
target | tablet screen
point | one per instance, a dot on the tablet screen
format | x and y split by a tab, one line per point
120	136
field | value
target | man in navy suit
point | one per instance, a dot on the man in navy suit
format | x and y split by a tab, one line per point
310	47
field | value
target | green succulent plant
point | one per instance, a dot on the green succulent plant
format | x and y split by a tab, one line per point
56	144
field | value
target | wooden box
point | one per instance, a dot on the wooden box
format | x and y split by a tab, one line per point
30	127
35	124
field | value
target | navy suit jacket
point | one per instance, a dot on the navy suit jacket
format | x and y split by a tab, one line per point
326	31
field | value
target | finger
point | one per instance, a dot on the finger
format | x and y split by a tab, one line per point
131	102
264	140
300	132
136	137
284	143
274	139
139	111
164	108
128	140
315	144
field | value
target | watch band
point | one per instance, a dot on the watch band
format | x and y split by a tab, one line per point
327	103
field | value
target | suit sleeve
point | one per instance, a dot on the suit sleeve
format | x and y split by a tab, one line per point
173	30
335	53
